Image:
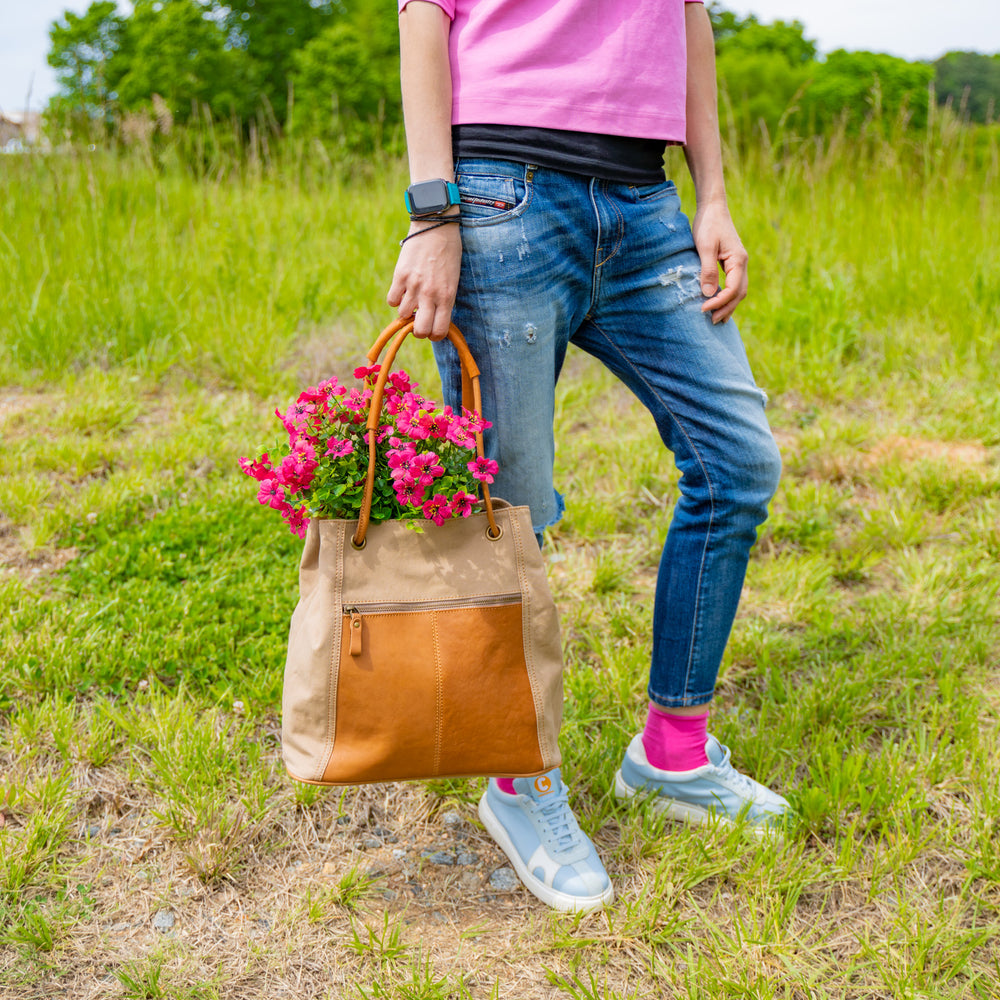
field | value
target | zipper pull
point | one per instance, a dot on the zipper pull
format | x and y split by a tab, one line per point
355	630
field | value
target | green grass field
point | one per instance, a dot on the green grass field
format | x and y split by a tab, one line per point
151	846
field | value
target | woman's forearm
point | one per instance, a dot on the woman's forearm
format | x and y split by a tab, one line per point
715	236
425	280
702	148
425	79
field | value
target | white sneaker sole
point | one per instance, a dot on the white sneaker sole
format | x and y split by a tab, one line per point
549	896
684	812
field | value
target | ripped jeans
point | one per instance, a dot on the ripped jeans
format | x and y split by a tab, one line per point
552	258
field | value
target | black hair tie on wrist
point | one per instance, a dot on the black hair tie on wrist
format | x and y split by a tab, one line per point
437	225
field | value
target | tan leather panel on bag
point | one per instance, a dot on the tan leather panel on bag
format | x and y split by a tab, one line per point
400	673
492	684
377	688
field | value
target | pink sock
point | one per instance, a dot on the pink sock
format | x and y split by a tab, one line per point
506	785
675	742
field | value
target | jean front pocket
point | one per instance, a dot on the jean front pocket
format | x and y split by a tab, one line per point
491	198
651	192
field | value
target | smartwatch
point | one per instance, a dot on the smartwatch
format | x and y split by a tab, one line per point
431	197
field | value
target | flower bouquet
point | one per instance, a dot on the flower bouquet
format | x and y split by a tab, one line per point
427	468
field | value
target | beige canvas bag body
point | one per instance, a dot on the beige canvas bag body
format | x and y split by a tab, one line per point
422	654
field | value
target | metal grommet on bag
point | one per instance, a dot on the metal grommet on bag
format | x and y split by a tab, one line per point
497	536
358	547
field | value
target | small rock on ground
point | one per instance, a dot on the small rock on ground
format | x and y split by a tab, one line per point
504	879
164	920
438	857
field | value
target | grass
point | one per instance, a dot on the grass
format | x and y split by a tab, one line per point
150	845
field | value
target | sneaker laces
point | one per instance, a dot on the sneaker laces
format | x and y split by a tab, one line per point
560	821
740	781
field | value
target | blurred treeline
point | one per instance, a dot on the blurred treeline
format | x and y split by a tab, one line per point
327	71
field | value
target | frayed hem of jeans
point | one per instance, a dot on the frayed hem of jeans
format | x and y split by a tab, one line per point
560	510
684	701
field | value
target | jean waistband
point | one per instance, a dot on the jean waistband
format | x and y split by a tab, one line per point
494	168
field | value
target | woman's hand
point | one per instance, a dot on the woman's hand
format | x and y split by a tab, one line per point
426	278
717	242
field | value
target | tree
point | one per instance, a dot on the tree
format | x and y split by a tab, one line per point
969	81
864	85
347	78
83	50
271	32
176	49
783	38
761	67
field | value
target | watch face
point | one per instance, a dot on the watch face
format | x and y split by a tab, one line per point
428	197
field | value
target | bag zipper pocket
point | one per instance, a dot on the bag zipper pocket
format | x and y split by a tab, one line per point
356	612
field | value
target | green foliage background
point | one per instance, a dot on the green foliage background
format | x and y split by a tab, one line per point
330	70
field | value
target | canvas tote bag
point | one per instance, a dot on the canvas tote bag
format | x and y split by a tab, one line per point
422	654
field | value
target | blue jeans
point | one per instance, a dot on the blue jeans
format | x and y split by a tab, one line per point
552	258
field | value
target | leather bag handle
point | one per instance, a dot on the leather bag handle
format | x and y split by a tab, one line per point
390	340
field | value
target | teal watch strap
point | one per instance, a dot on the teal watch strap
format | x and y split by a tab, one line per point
431	197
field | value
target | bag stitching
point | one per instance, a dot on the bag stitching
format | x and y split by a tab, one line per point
438	695
434	611
527	638
338	638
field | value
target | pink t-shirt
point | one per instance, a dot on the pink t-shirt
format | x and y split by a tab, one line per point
617	67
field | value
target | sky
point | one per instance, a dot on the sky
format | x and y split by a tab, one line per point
913	29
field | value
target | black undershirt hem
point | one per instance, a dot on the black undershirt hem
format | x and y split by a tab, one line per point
619	158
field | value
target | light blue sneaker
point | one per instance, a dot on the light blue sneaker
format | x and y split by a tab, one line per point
714	792
538	832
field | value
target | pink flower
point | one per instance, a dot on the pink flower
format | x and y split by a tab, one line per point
476	424
296	417
401	381
437	509
303	448
313	394
357	400
461	503
483	469
297	520
413	401
260	469
437	426
408	492
339	447
369	373
458	433
428	458
401	456
296	472
413	425
271	494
